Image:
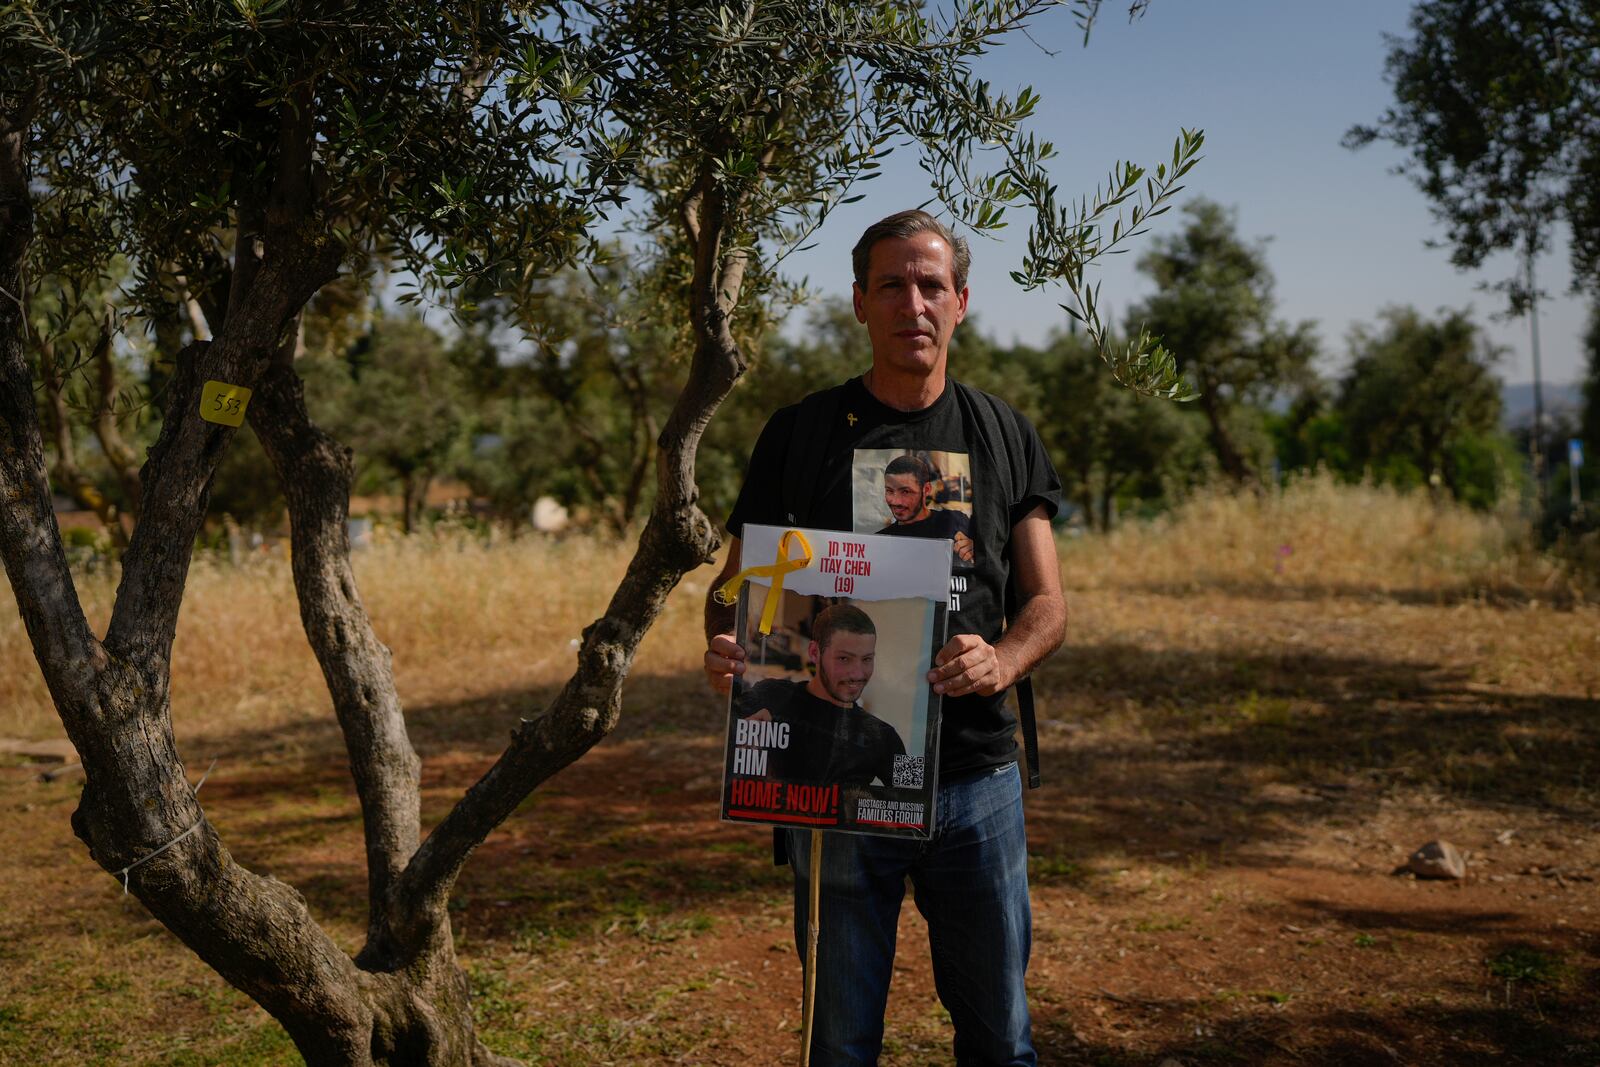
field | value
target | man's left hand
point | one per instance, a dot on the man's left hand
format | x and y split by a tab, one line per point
969	664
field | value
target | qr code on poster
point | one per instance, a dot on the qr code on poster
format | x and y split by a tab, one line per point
908	772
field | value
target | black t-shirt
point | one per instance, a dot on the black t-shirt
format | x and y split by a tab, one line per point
942	523
827	743
1002	481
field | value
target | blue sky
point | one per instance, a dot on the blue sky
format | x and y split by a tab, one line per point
1274	84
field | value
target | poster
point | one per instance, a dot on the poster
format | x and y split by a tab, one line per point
833	725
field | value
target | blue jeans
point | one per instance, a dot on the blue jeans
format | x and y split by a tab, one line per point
971	885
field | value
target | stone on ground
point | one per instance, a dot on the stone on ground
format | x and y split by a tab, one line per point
1437	859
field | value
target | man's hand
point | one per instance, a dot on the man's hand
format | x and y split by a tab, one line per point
963	547
969	664
724	656
724	659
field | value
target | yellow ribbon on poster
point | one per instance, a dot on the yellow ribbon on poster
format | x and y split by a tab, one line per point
780	566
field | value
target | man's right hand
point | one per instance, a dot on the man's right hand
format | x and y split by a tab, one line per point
724	659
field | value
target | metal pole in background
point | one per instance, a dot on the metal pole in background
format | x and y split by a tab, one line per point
1537	443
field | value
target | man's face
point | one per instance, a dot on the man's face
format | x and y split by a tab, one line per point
845	667
905	496
911	306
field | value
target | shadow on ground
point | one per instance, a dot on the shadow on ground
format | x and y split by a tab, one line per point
1556	1032
1153	753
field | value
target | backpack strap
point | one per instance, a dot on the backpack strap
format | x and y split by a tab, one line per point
1030	728
994	418
802	460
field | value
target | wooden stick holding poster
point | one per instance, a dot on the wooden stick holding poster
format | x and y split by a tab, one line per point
808	1006
833	726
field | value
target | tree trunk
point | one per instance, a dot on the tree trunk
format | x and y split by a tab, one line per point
315	472
139	814
1229	458
407	503
1085	492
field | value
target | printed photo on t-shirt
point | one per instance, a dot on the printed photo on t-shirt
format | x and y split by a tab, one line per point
902	492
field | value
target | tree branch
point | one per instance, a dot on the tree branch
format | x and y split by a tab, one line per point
198	322
16	200
677	538
30	541
289	207
315	473
266	296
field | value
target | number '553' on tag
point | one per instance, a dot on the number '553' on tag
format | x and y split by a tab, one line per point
223	403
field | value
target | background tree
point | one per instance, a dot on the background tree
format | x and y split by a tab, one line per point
518	459
1589	426
1308	434
1495	103
606	351
74	327
1111	446
1214	306
1420	400
402	404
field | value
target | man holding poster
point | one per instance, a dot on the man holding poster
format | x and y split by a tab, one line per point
822	463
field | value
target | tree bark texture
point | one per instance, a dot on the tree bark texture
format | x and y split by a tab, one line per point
315	472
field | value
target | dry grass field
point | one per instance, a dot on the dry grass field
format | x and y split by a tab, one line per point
1262	708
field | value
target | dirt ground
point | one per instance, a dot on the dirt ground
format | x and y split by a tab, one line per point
1232	776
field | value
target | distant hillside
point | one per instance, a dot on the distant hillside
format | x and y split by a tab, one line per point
1558	399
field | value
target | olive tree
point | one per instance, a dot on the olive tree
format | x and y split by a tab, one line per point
1417	393
252	154
260	150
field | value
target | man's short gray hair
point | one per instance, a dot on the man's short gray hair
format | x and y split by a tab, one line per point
904	224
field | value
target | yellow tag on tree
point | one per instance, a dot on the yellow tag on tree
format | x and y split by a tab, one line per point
224	403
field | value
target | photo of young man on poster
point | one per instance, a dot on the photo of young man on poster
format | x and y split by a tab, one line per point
830	737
